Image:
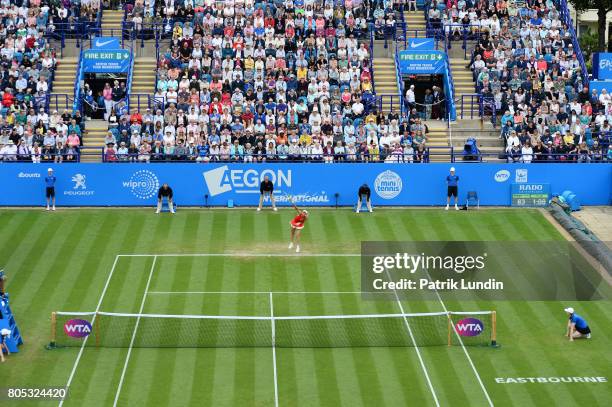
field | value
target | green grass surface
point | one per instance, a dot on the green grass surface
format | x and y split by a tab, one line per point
62	260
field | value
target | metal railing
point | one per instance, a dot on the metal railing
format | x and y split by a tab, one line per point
61	101
567	19
393	101
142	101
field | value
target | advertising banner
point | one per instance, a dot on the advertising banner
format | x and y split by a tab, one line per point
602	66
308	184
421	44
106	43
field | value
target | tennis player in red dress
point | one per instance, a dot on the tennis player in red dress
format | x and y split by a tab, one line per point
297	224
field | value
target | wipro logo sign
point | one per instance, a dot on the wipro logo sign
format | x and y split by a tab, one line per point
144	184
222	180
77	328
388	184
469	327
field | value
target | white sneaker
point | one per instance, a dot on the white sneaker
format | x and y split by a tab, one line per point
48	208
291	245
446	208
297	248
275	209
588	336
53	208
157	211
357	211
172	211
456	208
258	209
370	210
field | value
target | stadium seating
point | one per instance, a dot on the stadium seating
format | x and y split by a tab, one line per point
29	131
269	81
525	63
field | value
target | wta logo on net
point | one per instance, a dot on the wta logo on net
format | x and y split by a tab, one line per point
469	327
77	328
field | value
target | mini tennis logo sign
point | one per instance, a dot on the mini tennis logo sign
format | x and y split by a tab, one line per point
77	328
144	184
469	327
388	184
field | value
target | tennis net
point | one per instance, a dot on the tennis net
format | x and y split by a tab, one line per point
104	329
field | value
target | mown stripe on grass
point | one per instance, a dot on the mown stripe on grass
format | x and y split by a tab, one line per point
441	365
323	361
205	359
159	383
123	295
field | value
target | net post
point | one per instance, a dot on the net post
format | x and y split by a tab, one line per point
493	328
450	327
96	329
53	329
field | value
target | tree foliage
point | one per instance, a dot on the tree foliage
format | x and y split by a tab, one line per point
603	7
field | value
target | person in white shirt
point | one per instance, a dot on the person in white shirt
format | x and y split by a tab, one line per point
410	97
8	152
512	141
527	153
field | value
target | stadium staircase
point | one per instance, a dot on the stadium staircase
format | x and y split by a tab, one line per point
385	81
143	81
111	20
94	137
438	137
464	85
63	83
415	20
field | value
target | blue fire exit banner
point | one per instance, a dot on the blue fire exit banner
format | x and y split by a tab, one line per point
422	62
106	61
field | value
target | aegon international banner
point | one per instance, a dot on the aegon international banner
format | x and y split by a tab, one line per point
309	184
106	61
421	62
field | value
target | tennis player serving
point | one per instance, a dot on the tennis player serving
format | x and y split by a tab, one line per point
297	224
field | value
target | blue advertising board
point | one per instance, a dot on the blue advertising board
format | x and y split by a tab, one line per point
106	61
602	65
421	44
106	43
599	85
309	184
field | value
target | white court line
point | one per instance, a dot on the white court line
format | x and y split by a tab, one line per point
244	254
127	358
274	351
418	352
464	348
93	320
261	292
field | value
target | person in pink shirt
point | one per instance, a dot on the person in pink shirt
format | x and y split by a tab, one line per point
107	94
73	140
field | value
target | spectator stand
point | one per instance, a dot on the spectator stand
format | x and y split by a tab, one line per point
72	30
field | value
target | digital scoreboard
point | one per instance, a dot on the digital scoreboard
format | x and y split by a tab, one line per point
530	195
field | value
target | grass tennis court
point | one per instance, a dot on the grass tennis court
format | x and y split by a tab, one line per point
85	260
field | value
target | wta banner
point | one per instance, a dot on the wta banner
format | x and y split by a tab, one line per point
308	184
